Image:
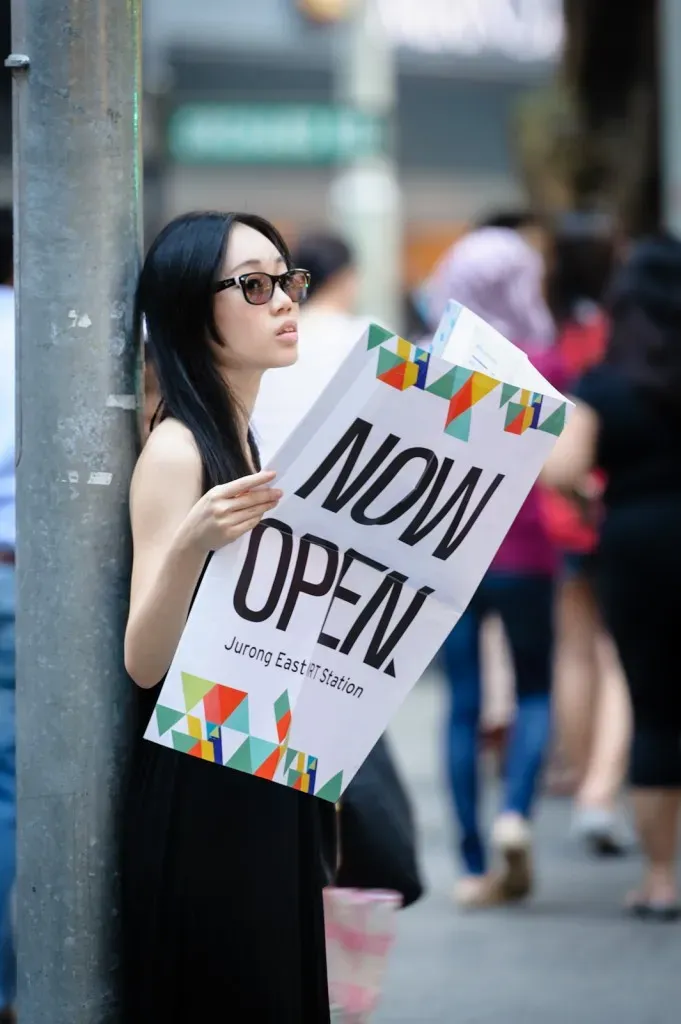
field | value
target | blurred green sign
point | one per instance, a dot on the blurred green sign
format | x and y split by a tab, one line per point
271	134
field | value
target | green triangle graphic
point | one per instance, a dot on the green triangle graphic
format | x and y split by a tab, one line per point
332	790
377	335
183	742
195	689
422	355
260	751
239	720
554	423
291	755
281	705
292	778
453	381
507	393
241	760
212	731
387	360
460	427
166	718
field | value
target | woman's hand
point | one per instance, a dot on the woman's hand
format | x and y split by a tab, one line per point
228	511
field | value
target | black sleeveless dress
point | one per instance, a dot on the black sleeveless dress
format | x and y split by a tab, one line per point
222	893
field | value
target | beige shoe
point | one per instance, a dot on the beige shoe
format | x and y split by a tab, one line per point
474	892
512	839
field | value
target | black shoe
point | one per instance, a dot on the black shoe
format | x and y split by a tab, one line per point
659	912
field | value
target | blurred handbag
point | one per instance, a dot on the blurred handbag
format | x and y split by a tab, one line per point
376	831
360	928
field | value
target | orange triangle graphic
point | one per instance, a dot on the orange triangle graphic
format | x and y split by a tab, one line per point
269	766
395	377
196	751
221	702
461	401
283	726
517	425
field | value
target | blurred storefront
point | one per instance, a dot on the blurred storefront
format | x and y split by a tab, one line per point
242	107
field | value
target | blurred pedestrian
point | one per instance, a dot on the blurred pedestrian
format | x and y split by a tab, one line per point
628	422
498	273
222	872
329	326
7	617
591	699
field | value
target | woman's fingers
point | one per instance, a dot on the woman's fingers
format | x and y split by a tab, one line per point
245	515
247	525
250	500
246	483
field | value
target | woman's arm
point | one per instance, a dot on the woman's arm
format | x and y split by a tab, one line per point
174	528
574	455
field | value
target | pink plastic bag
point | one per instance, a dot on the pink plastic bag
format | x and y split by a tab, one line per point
360	930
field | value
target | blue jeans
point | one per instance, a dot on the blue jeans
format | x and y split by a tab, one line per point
525	606
7	784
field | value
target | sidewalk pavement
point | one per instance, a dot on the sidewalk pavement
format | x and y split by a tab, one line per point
569	956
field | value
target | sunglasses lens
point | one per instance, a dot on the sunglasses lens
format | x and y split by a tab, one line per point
257	288
295	285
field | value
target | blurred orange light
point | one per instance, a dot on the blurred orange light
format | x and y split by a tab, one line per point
326	11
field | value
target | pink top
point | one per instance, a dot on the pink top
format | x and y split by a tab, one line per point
527	547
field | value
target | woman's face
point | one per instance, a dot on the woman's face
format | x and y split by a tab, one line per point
257	338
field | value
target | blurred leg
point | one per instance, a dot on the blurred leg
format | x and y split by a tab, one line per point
656	778
461	658
525	604
638	586
607	765
576	671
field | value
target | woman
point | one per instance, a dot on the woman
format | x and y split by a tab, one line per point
628	422
222	872
499	274
591	698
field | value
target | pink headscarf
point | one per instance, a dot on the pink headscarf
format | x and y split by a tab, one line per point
498	275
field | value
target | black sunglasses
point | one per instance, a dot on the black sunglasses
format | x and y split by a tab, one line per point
258	287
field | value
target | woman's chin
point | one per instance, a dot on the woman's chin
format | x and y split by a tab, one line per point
284	356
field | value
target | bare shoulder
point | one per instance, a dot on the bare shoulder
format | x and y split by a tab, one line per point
170	462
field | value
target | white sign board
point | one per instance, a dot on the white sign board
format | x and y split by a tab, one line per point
399	486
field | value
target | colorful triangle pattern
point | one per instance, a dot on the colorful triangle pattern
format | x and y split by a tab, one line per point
220	713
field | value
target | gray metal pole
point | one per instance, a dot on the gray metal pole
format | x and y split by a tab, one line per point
77	209
670	121
365	197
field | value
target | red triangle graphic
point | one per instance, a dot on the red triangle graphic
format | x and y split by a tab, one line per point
516	425
220	702
269	766
196	751
298	784
461	401
395	377
283	726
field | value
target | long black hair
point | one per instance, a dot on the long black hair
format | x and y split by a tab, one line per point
174	302
645	312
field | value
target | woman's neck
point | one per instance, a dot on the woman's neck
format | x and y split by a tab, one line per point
244	388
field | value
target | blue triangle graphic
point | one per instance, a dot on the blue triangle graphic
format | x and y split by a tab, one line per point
239	719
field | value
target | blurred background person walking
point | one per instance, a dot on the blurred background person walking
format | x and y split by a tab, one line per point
627	423
591	702
499	273
328	328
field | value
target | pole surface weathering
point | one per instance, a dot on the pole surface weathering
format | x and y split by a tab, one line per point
77	179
